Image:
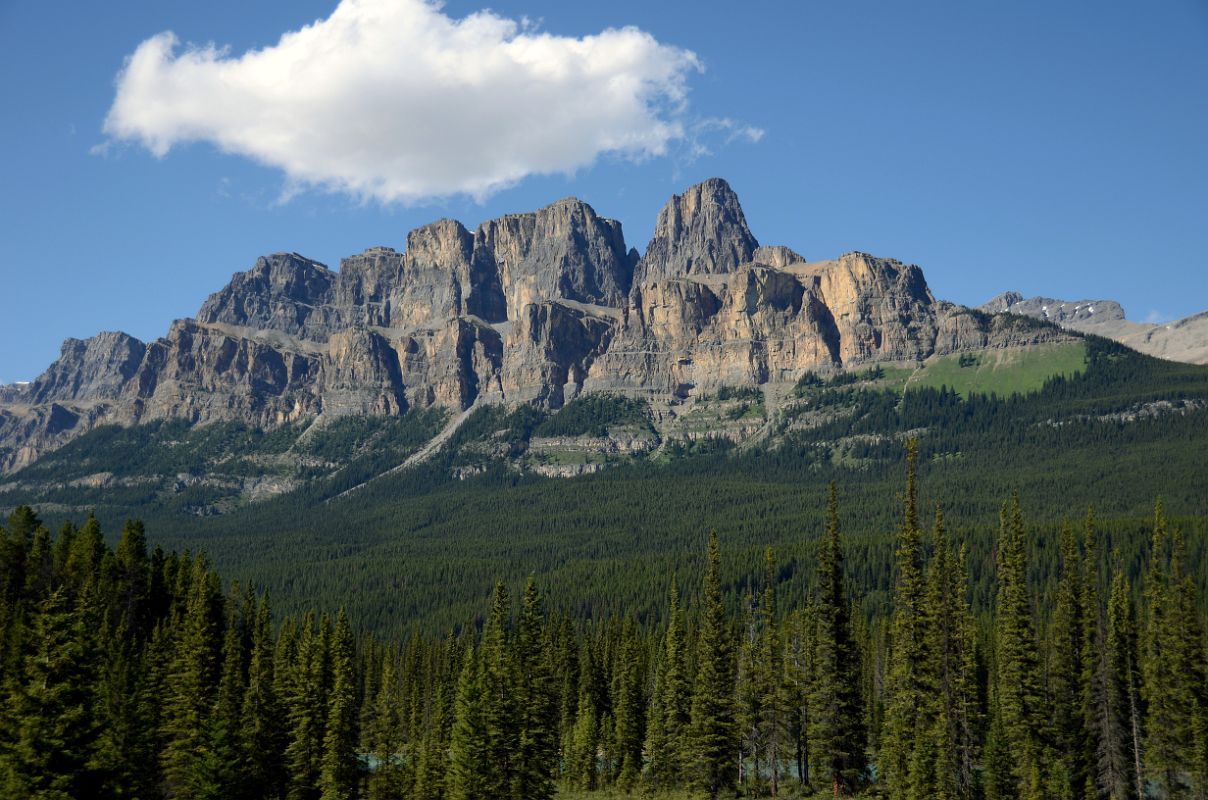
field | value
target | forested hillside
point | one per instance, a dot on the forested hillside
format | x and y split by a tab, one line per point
1075	674
424	546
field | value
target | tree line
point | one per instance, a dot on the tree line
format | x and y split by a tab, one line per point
129	672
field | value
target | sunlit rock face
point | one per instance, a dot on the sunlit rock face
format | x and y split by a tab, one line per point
536	307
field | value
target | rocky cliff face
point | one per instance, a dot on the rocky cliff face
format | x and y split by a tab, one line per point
1182	340
535	307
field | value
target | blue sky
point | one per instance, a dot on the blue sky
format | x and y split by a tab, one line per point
1051	148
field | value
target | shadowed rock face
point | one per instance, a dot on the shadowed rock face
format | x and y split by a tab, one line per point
534	307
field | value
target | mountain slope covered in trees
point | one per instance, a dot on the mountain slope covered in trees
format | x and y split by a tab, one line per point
137	673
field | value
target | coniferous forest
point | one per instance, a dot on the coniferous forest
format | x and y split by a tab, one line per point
131	672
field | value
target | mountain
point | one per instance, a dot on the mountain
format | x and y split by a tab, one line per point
1182	340
536	308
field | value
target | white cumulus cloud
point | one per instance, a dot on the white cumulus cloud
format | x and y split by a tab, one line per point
395	100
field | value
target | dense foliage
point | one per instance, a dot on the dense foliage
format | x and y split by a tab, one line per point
130	673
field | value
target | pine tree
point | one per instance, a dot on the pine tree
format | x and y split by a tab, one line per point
261	732
1124	694
1067	671
502	710
339	768
431	775
748	697
470	767
836	729
218	771
666	741
53	731
800	652
773	701
538	724
192	682
1020	697
1171	668
307	708
713	729
905	688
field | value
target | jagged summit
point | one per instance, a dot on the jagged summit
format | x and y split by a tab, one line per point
532	307
700	232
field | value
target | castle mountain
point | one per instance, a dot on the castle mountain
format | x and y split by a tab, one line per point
539	307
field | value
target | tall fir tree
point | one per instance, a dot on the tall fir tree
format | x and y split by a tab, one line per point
503	711
905	688
340	766
667	742
1019	691
773	693
1067	672
537	706
836	725
192	682
714	734
1124	685
52	728
470	765
261	733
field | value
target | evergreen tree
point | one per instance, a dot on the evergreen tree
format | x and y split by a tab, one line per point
773	692
1171	665
537	705
1020	697
1125	676
192	683
52	729
262	739
470	766
339	769
836	731
307	711
218	772
713	729
1067	671
905	689
502	710
670	716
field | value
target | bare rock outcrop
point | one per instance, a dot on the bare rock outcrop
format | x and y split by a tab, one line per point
537	307
700	232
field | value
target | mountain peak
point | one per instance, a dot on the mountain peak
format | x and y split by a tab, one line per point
702	231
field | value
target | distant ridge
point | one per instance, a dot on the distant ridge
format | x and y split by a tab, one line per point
1182	340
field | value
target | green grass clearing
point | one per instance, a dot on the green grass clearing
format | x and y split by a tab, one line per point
1002	372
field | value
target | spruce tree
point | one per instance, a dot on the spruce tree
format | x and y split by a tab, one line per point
714	736
773	700
192	682
538	711
307	709
1171	664
1067	672
502	710
585	736
1125	677
261	729
905	690
836	724
1020	697
671	710
471	770
339	768
50	711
